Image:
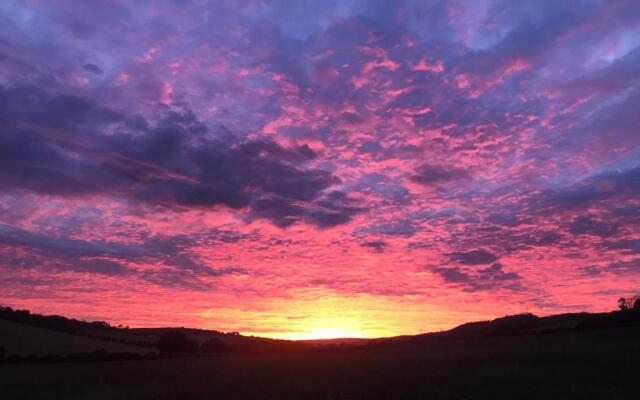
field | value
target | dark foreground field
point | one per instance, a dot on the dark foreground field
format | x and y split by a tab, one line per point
599	364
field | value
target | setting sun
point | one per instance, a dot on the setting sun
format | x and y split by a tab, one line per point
202	182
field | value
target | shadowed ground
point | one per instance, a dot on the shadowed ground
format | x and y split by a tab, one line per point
30	340
570	365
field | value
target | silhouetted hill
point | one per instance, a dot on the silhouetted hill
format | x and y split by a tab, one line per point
34	334
500	326
95	329
152	335
29	332
615	319
144	337
26	340
530	324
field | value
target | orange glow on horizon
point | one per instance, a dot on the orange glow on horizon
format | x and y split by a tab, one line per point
321	313
325	333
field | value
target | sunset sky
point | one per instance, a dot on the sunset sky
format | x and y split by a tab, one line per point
304	169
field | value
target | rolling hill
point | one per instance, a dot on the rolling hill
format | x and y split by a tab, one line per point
26	334
26	340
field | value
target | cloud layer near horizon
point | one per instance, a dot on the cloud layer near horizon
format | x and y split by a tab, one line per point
278	166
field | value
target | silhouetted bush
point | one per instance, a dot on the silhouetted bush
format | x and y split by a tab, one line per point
622	304
176	343
629	303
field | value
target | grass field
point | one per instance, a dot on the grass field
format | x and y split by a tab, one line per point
599	364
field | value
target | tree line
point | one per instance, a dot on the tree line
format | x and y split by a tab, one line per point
629	303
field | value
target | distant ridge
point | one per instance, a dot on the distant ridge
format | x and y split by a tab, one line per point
530	324
99	333
143	337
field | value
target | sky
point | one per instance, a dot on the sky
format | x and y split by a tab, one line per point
305	169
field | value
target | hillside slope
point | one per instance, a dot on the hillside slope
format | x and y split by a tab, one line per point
26	340
144	337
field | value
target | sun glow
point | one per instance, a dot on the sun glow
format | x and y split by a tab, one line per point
323	313
326	333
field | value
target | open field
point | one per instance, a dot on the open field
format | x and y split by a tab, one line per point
598	364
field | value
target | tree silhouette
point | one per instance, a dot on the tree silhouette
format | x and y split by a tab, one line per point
622	304
176	343
629	303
